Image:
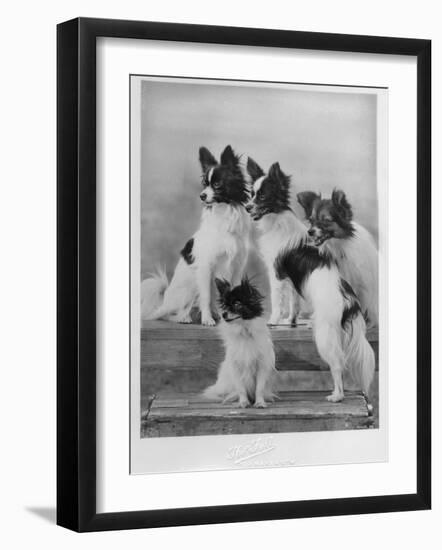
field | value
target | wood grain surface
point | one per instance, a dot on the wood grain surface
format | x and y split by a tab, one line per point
175	414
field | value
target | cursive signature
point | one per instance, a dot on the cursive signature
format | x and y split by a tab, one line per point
247	451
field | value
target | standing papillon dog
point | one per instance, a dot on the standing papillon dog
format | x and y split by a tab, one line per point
349	244
247	372
338	324
218	249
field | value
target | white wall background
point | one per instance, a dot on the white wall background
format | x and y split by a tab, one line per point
27	403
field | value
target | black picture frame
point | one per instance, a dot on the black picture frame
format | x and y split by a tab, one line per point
76	273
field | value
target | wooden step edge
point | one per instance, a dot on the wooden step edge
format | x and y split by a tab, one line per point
168	406
167	330
294	366
283	367
315	415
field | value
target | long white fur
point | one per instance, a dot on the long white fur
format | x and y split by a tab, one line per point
357	259
279	232
152	290
220	249
248	370
339	348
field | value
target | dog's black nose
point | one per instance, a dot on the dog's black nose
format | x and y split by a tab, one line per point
249	207
225	315
203	196
311	232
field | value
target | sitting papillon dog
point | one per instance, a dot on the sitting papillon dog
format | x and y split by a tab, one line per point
278	228
247	372
338	323
218	249
349	244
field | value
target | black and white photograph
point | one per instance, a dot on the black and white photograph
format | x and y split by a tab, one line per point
220	219
256	237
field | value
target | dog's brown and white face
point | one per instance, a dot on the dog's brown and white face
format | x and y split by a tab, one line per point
328	218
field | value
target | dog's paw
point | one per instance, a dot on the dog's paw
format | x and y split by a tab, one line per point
208	321
260	404
243	403
287	322
272	398
216	317
335	397
276	320
186	319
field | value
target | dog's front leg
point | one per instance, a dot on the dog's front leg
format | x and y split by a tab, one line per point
204	282
276	297
294	305
261	382
243	400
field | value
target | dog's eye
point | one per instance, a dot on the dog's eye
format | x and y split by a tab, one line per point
216	184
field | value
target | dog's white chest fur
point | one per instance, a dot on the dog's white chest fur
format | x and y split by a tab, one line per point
247	343
277	232
222	238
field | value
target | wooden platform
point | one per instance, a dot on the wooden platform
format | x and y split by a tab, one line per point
178	357
190	414
178	361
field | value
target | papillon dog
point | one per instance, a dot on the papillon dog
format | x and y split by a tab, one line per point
349	244
338	323
248	370
218	249
278	228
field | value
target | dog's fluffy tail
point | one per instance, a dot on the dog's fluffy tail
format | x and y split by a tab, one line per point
359	355
152	293
223	388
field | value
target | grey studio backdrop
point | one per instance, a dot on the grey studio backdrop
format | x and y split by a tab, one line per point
322	139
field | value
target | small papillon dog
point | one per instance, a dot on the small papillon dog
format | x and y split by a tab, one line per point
248	370
218	249
349	244
338	323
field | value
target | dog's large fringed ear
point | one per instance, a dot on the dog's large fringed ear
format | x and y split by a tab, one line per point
207	160
223	286
246	285
250	290
229	158
275	173
306	200
254	169
340	201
